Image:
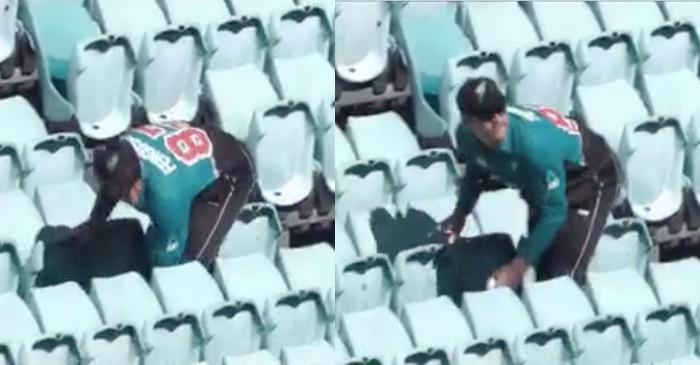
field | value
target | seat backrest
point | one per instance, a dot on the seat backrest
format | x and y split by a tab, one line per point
557	302
10	168
64	308
361	29
489	213
624	243
384	135
125	298
622	291
256	229
201	14
264	9
670	47
565	20
8	27
607	57
233	274
376	332
262	357
671	281
496	313
56	159
297	318
186	287
437	323
301	32
16	319
237	41
616	15
307	268
364	284
134	18
416	275
364	185
430	174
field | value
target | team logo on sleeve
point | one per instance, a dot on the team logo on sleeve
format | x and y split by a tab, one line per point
552	180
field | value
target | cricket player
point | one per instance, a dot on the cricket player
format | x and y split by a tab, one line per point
568	176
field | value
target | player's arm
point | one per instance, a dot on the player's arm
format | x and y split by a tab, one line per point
550	201
104	204
470	188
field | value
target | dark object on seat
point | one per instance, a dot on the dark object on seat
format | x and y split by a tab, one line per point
402	232
467	264
117	247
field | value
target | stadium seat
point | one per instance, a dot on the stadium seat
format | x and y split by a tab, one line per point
654	194
345	250
416	279
307	268
56	180
459	69
343	154
289	180
428	182
661	332
544	75
498	313
682	10
385	135
22	338
256	358
693	156
133	18
169	70
672	94
437	323
201	14
375	332
301	41
100	78
8	27
233	275
65	308
185	288
615	15
561	303
295	319
673	282
19	221
564	20
362	228
607	57
23	125
362	40
325	143
264	9
364	185
235	71
364	284
669	47
624	243
165	339
256	229
319	353
490	218
487	36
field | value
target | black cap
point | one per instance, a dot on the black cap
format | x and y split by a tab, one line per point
480	98
117	167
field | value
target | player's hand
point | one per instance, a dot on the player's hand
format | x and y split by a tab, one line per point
448	229
510	274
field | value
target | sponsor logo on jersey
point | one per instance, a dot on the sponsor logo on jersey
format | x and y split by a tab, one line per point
146	152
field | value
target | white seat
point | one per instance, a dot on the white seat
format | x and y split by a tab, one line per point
8	27
489	213
565	20
257	229
23	126
376	332
133	18
384	135
202	14
624	243
615	15
233	275
307	268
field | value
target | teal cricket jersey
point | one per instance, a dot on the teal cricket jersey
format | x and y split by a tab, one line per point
531	158
176	164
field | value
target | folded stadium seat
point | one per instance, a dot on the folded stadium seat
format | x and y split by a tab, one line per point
364	185
498	313
670	63
544	75
295	319
234	277
201	14
19	221
169	70
654	194
235	71
490	218
364	284
683	10
256	358
486	35
188	288
459	69
22	126
561	303
564	20
307	268
22	341
608	72
615	15
55	42
362	40
165	339
65	308
379	333
256	229
57	165
428	182
133	18
262	9
319	353
416	279
99	82
661	332
385	135
300	68
671	282
418	26
624	243
289	180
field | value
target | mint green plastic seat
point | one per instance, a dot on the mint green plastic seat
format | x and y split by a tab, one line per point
385	135
132	18
624	243
564	20
672	282
8	27
363	284
616	15
202	13
262	357
489	213
257	229
416	276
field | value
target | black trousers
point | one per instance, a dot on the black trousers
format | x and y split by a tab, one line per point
214	209
591	194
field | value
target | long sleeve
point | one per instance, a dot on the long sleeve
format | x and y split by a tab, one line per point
104	204
470	187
